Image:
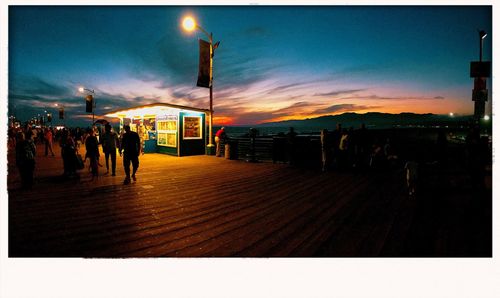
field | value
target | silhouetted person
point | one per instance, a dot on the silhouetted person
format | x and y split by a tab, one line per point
362	147
376	155
68	152
474	159
336	135
12	138
351	148
325	149
25	160
411	168
130	145
442	147
109	142
291	150
141	131
48	142
343	146
78	137
389	153
92	153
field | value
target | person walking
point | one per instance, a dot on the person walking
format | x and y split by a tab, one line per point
48	142
109	141
25	159
92	148
219	136
141	131
130	145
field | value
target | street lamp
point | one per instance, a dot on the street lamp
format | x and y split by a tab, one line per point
189	24
482	36
89	97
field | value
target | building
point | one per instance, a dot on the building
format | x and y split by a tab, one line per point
167	128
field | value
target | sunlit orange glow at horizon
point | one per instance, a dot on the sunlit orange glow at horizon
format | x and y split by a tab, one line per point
223	120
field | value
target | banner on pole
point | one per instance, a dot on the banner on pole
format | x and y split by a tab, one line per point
89	103
204	67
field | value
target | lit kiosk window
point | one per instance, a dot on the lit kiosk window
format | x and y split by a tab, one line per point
167	128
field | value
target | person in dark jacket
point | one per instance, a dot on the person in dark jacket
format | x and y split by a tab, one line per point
92	153
25	160
109	141
68	153
130	145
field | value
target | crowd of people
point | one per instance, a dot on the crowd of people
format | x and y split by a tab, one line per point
341	150
360	149
24	140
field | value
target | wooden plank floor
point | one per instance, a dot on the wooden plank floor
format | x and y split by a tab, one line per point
208	206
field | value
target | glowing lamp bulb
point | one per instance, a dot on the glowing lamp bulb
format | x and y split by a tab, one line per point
81	89
486	117
451	114
188	24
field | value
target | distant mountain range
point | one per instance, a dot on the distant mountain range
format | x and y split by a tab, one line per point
374	120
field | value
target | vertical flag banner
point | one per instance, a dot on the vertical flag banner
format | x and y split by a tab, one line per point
89	102
204	67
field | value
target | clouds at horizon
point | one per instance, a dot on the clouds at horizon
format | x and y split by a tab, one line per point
262	72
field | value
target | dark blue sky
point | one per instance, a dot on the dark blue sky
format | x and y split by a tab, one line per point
273	63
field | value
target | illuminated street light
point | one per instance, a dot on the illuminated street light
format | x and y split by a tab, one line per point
482	36
451	114
189	24
486	118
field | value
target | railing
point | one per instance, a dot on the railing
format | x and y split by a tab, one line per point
304	151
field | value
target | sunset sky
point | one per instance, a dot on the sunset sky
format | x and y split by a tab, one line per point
273	63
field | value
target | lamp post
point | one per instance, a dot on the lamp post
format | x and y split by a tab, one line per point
482	36
82	90
189	24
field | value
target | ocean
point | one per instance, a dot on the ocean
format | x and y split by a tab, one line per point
239	131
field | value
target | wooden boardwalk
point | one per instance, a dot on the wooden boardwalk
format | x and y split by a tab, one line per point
206	206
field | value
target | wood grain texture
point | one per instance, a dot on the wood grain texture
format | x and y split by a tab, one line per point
203	206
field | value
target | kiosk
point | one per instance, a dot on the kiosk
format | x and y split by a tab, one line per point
167	128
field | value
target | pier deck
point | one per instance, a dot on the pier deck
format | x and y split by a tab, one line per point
205	206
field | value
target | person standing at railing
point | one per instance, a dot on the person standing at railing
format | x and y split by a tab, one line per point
219	136
290	136
325	149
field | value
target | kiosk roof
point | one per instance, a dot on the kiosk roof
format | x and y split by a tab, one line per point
151	109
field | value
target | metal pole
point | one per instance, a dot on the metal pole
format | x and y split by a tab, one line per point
93	108
480	47
211	94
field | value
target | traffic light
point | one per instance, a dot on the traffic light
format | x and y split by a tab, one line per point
61	113
89	103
